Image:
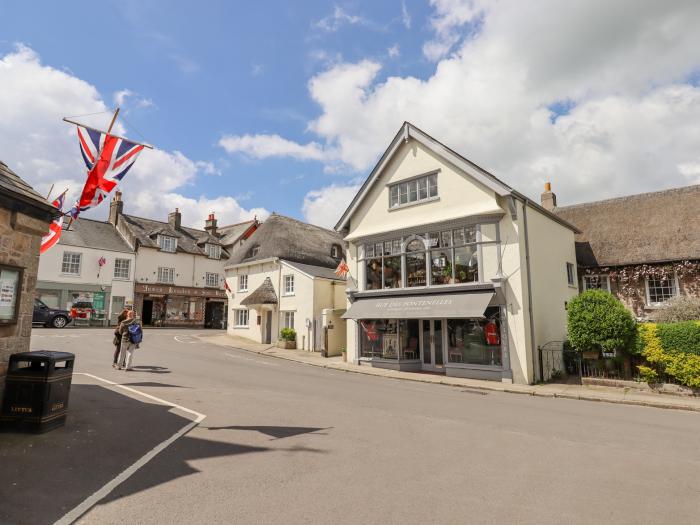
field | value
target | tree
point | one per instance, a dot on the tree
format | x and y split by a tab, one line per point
597	320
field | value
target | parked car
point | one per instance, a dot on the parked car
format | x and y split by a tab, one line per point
50	317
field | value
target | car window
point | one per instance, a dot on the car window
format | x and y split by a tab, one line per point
38	304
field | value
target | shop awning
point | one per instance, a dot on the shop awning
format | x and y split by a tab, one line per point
441	306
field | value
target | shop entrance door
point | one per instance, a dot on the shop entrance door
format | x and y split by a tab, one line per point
432	347
147	312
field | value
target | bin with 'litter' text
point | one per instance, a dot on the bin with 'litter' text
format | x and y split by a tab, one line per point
37	387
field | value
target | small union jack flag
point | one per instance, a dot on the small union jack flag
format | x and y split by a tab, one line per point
51	238
343	269
108	159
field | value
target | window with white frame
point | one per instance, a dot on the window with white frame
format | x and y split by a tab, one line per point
288	320
240	318
661	288
254	251
71	263
414	190
242	283
288	285
213	251
122	268
212	280
167	243
570	274
335	251
596	282
166	275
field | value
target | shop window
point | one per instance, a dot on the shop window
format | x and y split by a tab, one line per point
166	275
241	318
10	292
288	320
212	280
181	309
475	341
415	263
379	338
71	263
242	283
409	339
122	268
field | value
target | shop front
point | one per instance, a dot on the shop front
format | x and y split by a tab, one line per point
164	305
87	303
459	334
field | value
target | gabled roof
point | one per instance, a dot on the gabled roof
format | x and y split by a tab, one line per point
233	232
94	234
315	271
146	233
644	228
263	294
13	185
290	239
409	131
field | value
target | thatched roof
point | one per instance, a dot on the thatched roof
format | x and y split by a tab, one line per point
233	232
646	228
291	240
264	294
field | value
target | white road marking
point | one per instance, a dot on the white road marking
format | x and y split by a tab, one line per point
261	361
91	501
184	342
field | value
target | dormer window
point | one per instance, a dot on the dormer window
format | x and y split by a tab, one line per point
213	251
335	251
254	251
167	243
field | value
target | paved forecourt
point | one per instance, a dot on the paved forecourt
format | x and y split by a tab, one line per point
286	442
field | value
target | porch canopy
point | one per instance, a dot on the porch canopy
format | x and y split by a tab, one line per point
438	306
264	294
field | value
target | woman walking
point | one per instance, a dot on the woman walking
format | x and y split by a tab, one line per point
118	337
132	334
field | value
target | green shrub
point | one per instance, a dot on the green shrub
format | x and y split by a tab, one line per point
680	337
288	334
648	375
681	308
684	367
597	320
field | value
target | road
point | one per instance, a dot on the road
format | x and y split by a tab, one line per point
289	443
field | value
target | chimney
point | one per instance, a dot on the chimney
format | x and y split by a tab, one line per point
116	208
210	225
548	199
175	219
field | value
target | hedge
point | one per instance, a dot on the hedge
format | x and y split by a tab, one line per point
596	319
668	353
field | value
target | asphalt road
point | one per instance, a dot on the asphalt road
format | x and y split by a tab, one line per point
289	443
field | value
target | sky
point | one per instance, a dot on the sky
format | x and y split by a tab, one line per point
266	106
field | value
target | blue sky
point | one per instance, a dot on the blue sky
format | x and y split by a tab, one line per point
285	106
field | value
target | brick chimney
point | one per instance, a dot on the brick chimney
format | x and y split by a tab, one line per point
116	208
548	199
210	225
175	219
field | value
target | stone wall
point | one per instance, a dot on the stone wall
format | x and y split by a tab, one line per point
20	239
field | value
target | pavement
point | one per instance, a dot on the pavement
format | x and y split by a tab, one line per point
205	433
625	396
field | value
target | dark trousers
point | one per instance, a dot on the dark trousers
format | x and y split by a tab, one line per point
116	352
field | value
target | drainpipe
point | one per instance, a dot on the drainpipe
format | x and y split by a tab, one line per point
529	292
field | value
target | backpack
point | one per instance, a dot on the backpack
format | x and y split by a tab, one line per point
135	333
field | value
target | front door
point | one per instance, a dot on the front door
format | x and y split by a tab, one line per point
268	327
432	348
117	308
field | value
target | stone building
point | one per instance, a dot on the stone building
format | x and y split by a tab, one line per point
24	218
645	248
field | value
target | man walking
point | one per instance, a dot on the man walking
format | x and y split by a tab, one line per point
131	334
118	337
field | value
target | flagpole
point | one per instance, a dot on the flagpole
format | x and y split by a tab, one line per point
49	193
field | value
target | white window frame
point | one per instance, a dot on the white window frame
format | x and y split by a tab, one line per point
167	239
117	269
213	251
676	289
243	279
287	316
408	192
71	263
211	280
241	314
288	284
571	276
335	251
162	271
598	276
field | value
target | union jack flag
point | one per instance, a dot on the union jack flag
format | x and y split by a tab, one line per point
108	159
343	269
55	228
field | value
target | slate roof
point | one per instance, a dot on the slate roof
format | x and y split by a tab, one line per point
316	271
13	184
645	228
289	239
231	233
263	294
189	240
93	234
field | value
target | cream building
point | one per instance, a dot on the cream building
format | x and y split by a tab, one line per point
283	277
452	270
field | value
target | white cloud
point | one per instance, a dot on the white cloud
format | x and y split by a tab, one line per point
323	207
264	146
127	99
405	15
393	51
449	17
337	19
43	150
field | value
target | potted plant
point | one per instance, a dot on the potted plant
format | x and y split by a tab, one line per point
288	338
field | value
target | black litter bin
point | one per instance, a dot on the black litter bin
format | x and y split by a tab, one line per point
36	391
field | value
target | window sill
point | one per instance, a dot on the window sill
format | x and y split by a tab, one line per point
242	291
70	275
411	204
241	326
288	295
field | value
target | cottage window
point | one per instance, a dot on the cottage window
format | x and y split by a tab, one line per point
71	263
596	282
335	251
414	190
122	268
167	243
212	280
242	283
213	251
166	275
288	320
288	285
570	274
254	251
661	289
241	318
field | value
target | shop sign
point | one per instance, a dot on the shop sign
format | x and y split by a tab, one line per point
178	290
98	301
